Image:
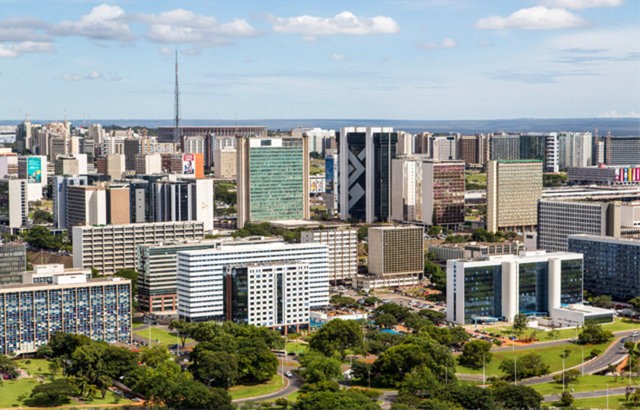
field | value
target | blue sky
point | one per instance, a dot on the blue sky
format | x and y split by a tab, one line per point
386	59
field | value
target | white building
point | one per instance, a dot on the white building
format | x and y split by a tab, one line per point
149	164
14	204
33	168
201	273
342	247
574	149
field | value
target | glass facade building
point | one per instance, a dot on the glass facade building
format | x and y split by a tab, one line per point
611	265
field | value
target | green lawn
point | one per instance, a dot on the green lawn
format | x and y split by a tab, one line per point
160	335
10	390
585	383
550	354
243	392
296	347
36	367
615	402
109	398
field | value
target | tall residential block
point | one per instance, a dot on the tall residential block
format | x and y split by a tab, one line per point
396	251
60	191
342	247
201	277
13	260
272	178
111	248
611	265
183	200
513	191
500	287
33	311
14	203
365	172
443	193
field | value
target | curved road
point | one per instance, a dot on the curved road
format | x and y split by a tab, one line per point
293	385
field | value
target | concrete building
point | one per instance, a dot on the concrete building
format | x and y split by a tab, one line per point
111	248
443	147
395	252
14	203
60	191
201	276
575	149
32	312
474	250
513	191
13	260
443	193
112	165
504	147
621	150
407	188
273	176
183	200
611	265
500	287
365	176
331	175
71	165
342	247
86	205
149	164
605	175
471	150
34	169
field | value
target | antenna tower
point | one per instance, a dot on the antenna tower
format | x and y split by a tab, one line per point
176	108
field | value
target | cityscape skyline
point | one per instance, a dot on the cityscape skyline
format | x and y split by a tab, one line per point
425	59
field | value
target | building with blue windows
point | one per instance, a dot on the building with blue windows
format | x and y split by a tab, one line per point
54	300
500	287
611	265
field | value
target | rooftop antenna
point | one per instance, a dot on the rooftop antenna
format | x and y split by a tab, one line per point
176	108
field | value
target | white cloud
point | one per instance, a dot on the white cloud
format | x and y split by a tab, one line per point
104	22
582	4
182	26
344	23
92	75
8	50
534	18
446	43
616	114
338	57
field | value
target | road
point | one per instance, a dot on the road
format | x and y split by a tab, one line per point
591	394
293	385
626	333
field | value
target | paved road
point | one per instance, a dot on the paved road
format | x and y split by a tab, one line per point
625	333
293	385
591	394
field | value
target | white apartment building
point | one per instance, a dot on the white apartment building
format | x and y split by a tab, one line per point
342	251
201	274
111	248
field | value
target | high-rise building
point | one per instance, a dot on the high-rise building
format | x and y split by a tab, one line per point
149	164
504	147
86	205
407	189
443	147
621	150
111	248
60	190
112	165
273	175
34	169
365	173
331	195
33	311
443	193
396	252
13	260
184	200
14	203
342	247
575	149
71	165
201	276
513	191
131	147
611	265
471	150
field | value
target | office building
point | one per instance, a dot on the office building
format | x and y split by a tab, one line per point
475	250
60	191
13	260
111	248
443	193
131	148
504	147
33	311
148	164
225	162
621	150
14	203
605	175
396	256
407	189
575	149
201	275
272	178
86	205
34	169
71	165
112	165
184	200
365	176
331	195
611	265
268	294
471	149
513	191
500	287
342	247
443	147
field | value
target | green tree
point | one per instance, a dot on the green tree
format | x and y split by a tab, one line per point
39	237
342	399
528	365
603	301
434	230
570	376
40	216
520	323
317	368
337	336
343	301
420	382
470	397
436	275
511	396
475	354
218	369
154	355
594	334
194	395
386	320
54	393
183	329
566	399
635	302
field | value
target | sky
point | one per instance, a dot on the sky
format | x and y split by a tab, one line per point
367	59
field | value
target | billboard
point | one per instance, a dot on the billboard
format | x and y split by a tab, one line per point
188	164
329	174
34	170
627	174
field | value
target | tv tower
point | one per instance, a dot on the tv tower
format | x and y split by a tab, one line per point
176	108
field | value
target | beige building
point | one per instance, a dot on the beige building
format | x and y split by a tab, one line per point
514	188
396	252
224	165
148	164
342	247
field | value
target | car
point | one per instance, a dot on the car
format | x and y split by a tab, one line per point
288	374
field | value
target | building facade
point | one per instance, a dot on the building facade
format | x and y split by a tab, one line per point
14	203
513	191
273	175
111	248
621	150
443	193
611	265
503	286
365	163
13	260
396	251
342	248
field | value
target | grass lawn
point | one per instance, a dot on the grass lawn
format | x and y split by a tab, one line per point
160	334
109	398
36	367
550	354
615	402
296	347
585	383
10	390
243	392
